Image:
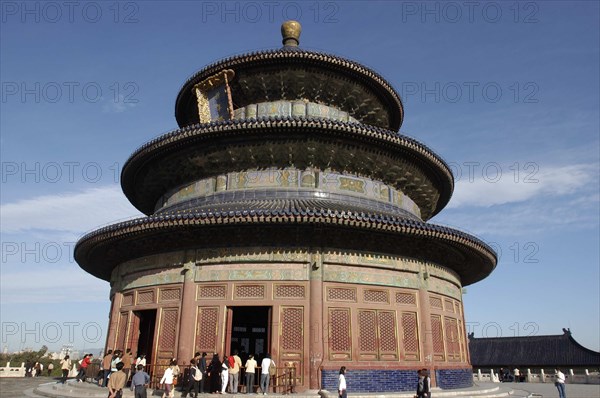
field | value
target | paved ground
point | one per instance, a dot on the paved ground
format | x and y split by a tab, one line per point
15	387
547	390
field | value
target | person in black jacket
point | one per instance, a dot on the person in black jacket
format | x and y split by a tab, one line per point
214	370
202	367
424	384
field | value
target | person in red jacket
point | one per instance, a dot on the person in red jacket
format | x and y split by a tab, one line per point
85	362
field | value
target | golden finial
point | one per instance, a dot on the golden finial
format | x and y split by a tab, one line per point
290	30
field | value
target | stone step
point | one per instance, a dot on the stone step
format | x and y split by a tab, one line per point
473	392
29	393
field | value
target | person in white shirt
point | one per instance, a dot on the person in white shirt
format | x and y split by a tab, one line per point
224	373
517	374
342	383
141	361
264	373
167	381
560	383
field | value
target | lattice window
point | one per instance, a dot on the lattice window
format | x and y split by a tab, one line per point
341	294
289	291
339	330
127	299
406	298
377	338
410	338
367	331
250	291
291	329
376	296
206	337
438	337
452	339
145	297
435	302
449	305
170	294
211	292
388	342
168	330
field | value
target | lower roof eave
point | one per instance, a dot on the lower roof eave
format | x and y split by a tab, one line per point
100	251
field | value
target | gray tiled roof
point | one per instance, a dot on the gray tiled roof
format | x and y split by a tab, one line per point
531	351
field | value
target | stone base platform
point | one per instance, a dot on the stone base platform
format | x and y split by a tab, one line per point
47	387
73	389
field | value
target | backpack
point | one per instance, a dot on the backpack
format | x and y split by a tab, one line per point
231	362
196	374
272	368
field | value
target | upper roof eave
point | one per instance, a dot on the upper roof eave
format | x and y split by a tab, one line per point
279	56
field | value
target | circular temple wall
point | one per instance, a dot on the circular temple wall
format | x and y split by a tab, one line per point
383	317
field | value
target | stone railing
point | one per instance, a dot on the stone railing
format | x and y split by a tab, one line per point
12	371
529	377
19	371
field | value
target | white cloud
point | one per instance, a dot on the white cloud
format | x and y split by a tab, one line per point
498	188
73	212
123	104
51	285
42	231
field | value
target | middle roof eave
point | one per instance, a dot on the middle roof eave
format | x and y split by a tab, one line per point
141	176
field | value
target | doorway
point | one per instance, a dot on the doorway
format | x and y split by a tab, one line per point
250	332
147	323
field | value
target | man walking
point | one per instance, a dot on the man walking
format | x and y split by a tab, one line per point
139	382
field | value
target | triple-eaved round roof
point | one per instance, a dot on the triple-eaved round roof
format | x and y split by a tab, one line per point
365	143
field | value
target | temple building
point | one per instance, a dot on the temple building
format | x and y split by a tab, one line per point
532	352
287	215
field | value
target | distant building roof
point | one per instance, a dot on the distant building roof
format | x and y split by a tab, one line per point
531	351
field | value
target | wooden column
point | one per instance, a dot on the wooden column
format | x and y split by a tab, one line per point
426	330
187	320
316	320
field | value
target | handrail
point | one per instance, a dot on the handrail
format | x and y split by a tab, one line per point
284	381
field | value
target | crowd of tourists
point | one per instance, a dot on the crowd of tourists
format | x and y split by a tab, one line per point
216	375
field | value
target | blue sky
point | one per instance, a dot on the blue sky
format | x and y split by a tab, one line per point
506	92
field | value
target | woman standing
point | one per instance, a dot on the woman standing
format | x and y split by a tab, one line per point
65	366
214	371
251	365
342	383
167	381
